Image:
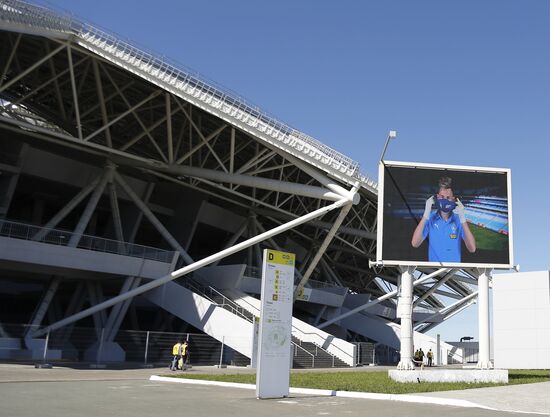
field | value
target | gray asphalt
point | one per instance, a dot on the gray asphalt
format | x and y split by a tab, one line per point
65	392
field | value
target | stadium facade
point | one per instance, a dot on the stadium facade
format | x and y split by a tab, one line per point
135	195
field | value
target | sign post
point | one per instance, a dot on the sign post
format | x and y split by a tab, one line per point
273	371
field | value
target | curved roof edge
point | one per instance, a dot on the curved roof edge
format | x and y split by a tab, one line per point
27	17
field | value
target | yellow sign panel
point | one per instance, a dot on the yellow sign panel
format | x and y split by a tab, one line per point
282	258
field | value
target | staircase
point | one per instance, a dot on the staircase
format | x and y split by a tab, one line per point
309	355
304	354
318	342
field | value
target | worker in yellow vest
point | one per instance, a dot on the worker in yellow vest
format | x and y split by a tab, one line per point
177	355
430	356
182	362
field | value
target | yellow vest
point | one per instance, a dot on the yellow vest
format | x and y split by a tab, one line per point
176	349
184	349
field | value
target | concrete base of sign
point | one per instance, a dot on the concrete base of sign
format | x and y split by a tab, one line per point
43	366
470	376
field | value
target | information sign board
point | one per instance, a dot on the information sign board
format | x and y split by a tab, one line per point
273	372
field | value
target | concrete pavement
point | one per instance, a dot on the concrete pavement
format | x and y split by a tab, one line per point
526	398
67	392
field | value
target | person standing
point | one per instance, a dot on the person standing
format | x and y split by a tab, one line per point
445	228
184	356
176	353
421	356
430	356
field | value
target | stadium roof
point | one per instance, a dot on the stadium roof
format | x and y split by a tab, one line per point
34	19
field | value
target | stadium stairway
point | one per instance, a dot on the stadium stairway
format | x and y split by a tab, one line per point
308	336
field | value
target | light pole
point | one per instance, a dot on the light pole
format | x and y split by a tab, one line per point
392	134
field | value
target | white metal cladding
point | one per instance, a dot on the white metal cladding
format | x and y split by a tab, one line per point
189	86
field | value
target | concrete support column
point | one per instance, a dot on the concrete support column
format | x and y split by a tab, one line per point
405	307
484	358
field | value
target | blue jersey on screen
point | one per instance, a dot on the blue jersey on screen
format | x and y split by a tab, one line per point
444	238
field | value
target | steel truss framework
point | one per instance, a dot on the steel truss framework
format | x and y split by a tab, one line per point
59	90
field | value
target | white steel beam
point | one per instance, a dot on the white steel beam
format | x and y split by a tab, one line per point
45	302
235	237
169	137
89	210
449	310
435	286
121	116
22	74
192	267
255	182
232	151
117	222
152	218
380	299
75	91
319	253
146	197
323	179
201	136
54	221
200	145
56	85
10	58
48	82
101	97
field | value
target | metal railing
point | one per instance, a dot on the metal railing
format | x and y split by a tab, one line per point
253	311
185	80
147	347
216	297
255	272
295	346
90	345
18	113
62	237
318	344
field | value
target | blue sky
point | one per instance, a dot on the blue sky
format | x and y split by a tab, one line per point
463	82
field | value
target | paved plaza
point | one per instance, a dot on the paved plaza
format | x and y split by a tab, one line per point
69	392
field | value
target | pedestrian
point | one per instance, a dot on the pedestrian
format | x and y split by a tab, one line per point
176	353
430	356
421	356
184	356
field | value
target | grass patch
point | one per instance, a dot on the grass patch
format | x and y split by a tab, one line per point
488	239
372	381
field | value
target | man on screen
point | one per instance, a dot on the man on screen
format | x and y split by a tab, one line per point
445	228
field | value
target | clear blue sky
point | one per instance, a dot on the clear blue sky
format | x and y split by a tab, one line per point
463	82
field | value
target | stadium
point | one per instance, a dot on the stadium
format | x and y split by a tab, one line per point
119	167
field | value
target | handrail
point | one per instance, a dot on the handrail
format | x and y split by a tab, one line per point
319	345
309	353
182	78
255	272
204	291
302	332
94	243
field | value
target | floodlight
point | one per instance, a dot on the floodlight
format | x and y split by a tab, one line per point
392	134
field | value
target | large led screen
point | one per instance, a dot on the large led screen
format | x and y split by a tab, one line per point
442	215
